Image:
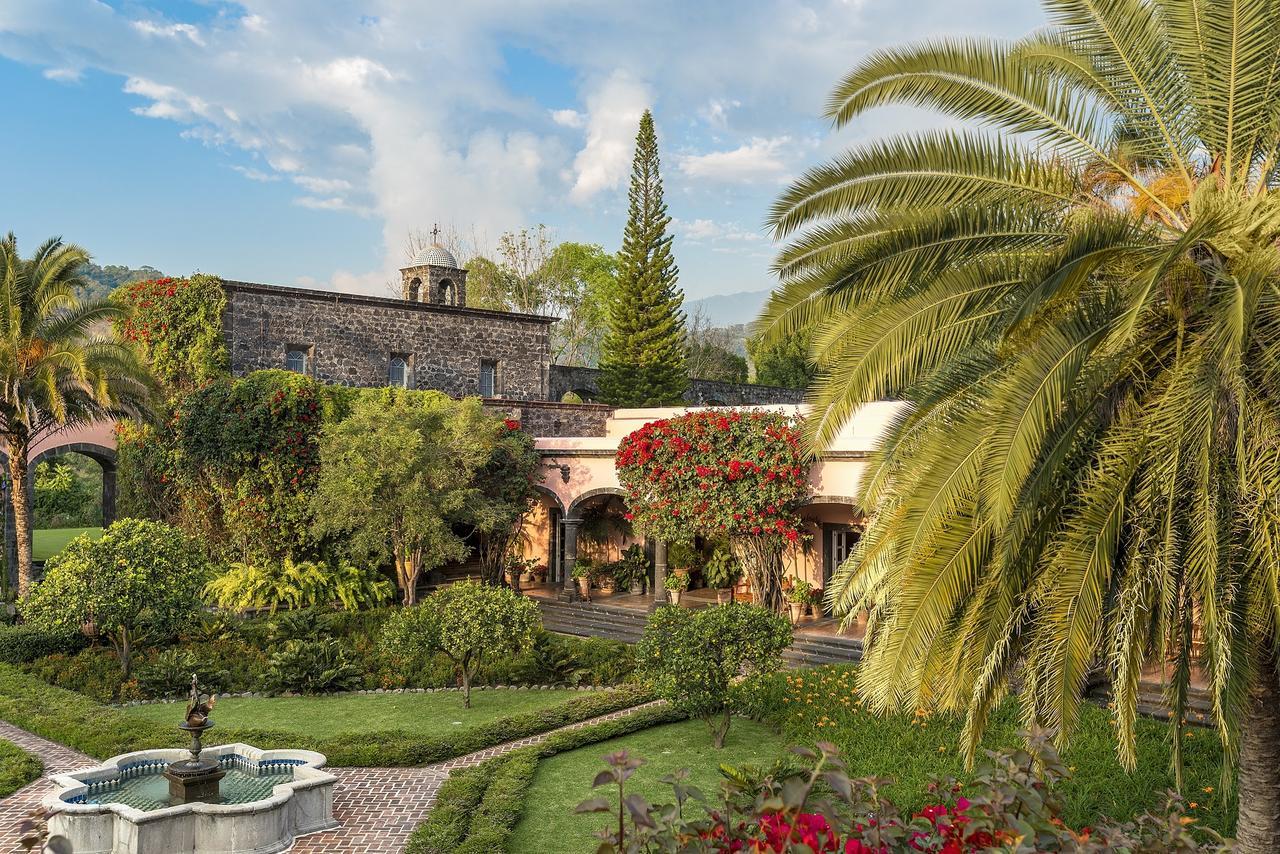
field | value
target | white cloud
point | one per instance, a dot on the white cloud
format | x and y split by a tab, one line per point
321	185
613	116
698	231
255	174
758	159
168	31
569	118
63	75
716	111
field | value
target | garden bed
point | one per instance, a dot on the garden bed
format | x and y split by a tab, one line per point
821	704
17	768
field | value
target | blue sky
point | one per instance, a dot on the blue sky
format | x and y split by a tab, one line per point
301	142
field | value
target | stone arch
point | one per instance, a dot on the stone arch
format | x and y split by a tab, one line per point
448	294
575	506
414	292
586	395
547	492
100	454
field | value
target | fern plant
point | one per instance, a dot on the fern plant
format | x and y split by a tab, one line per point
296	584
1075	289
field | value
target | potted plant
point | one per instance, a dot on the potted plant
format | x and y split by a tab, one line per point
583	570
516	568
676	583
683	556
815	601
798	597
636	568
538	573
722	572
605	576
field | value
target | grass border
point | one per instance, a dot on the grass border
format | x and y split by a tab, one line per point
478	808
100	731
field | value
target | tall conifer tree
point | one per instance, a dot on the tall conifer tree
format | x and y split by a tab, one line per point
643	360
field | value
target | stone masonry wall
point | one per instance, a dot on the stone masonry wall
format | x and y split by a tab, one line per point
543	418
351	339
566	378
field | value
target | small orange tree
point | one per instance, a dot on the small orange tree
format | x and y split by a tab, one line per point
731	475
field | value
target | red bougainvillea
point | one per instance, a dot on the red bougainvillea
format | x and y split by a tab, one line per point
719	473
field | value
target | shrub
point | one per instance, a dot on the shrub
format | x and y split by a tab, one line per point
17	768
168	673
468	622
722	569
297	584
693	657
23	643
139	581
312	667
683	555
1013	806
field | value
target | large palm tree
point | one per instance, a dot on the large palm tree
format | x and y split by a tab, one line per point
59	365
1076	291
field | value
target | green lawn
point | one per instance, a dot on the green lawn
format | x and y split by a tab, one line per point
425	715
564	781
17	768
48	542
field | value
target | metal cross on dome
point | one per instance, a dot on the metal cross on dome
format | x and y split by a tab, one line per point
435	233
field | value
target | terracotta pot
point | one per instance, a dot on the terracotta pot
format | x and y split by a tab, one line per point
513	578
724	595
797	609
674	596
584	587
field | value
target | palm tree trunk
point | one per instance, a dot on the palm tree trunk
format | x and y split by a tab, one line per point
1258	818
21	514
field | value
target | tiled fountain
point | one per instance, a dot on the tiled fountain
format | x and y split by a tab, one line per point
214	800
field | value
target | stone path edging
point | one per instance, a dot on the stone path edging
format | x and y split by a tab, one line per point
377	807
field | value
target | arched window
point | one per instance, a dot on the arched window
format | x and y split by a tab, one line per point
446	292
415	287
296	360
399	372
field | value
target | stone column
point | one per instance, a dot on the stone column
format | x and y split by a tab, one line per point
660	573
569	592
108	495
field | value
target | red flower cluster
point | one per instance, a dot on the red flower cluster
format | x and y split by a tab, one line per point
715	473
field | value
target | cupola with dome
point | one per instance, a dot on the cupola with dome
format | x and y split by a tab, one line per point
433	276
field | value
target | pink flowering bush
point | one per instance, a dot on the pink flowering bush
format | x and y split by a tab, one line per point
815	808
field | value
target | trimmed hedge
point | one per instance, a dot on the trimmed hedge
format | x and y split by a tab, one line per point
477	809
100	731
23	643
17	768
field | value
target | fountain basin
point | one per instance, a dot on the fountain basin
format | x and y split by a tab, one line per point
270	797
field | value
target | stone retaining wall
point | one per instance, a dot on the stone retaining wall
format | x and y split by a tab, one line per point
585	382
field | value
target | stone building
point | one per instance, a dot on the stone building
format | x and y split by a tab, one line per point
430	339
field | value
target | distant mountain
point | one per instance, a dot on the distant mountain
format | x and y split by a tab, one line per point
729	309
103	280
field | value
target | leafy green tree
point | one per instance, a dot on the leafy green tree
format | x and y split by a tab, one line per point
708	361
504	494
57	368
694	657
1076	289
782	362
583	281
68	493
573	281
643	358
100	281
468	622
140	580
395	476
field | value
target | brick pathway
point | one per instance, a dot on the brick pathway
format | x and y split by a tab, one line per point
57	760
377	807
